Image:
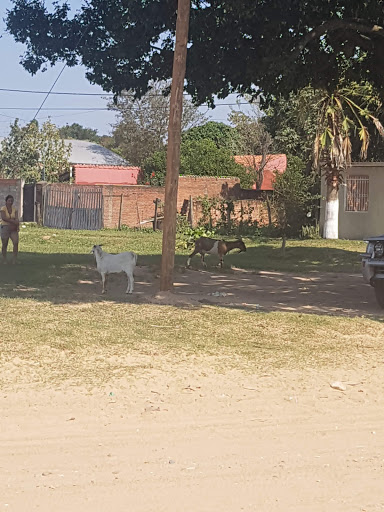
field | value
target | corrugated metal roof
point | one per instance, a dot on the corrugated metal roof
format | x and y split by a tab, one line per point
84	152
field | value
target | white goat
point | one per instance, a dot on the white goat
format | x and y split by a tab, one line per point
115	263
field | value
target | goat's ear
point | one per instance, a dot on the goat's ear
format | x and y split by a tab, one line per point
100	245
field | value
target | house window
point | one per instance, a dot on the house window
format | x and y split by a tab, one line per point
357	194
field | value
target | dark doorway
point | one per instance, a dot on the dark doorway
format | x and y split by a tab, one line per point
29	203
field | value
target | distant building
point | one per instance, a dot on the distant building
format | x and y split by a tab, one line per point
92	164
274	163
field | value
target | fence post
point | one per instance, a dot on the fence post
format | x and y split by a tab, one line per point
156	201
191	219
44	193
120	210
228	217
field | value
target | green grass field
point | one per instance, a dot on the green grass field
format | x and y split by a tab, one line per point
86	341
65	246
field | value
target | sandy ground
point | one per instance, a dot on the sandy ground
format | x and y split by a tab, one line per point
190	440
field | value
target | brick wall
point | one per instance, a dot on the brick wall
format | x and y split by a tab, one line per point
196	186
137	201
246	211
137	204
15	189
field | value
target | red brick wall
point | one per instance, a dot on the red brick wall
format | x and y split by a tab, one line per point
197	186
138	205
137	201
247	211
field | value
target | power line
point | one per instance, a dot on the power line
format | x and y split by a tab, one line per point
57	93
56	108
124	95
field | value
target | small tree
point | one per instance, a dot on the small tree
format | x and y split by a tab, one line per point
198	158
54	154
31	154
142	125
293	198
254	140
223	135
292	122
19	157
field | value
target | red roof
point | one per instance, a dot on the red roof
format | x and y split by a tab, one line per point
274	163
105	175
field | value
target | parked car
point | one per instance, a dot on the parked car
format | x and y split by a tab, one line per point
373	266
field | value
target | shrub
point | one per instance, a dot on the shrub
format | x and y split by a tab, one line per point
295	198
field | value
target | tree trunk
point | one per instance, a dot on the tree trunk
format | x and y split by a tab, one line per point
173	150
331	223
259	170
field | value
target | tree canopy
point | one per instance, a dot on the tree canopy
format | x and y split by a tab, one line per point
244	46
78	132
32	153
199	157
223	135
142	124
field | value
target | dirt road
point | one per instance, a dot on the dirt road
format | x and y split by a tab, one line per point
194	441
186	438
317	293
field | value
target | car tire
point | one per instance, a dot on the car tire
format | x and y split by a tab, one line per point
379	292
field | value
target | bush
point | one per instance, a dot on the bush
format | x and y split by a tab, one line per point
154	169
295	198
188	237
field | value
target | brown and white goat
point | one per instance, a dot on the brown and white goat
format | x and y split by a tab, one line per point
204	245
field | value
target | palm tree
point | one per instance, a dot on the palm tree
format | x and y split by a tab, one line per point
342	114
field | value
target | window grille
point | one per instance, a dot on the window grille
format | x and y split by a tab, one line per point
357	194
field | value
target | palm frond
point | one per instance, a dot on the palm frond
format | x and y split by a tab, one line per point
364	137
316	152
379	126
347	150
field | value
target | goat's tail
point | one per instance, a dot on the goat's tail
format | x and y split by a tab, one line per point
135	257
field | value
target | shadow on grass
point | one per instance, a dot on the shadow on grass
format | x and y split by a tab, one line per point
258	286
306	259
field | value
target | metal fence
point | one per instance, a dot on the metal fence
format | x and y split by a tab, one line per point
73	207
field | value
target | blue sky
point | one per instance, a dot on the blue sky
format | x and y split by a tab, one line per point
13	76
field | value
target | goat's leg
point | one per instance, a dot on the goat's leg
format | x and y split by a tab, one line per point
221	261
202	260
190	257
103	280
130	281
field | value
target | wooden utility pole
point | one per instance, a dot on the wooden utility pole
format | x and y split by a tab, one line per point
173	151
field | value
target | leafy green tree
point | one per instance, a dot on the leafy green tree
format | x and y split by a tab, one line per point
30	153
198	158
204	158
142	127
19	156
249	46
254	140
154	169
292	123
54	154
78	132
293	198
223	135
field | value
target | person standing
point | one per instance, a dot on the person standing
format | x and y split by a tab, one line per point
9	228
